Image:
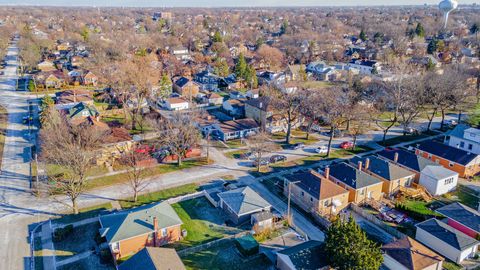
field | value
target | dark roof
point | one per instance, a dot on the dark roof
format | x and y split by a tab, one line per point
447	152
462	214
447	234
315	185
407	159
411	254
182	82
238	125
385	169
154	258
260	103
243	200
307	255
368	63
352	177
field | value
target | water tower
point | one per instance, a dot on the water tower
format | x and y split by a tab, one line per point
447	6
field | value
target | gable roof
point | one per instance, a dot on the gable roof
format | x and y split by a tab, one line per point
462	214
438	172
447	152
261	103
80	107
243	200
411	253
316	185
387	170
182	82
352	177
407	159
138	221
154	258
447	234
238	125
307	255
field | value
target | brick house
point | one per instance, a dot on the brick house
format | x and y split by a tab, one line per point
462	218
315	193
186	87
466	164
129	231
393	176
361	185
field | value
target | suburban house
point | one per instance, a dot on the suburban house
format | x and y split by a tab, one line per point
438	180
154	258
254	93
263	220
393	176
152	225
46	66
181	53
361	185
213	99
186	87
81	111
466	164
315	193
307	255
261	111
70	98
176	104
52	79
322	71
234	107
462	218
236	129
464	137
447	241
366	67
207	81
408	254
239	204
90	79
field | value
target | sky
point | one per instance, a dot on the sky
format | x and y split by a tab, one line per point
221	3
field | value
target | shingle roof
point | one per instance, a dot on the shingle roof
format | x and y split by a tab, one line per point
129	223
153	258
458	131
352	177
447	152
385	169
411	254
307	255
407	159
238	125
447	234
438	172
243	200
78	108
462	214
260	103
316	185
182	82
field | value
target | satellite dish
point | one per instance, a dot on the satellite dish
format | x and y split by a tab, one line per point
447	6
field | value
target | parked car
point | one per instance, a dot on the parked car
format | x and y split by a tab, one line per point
450	122
346	145
412	131
263	162
321	150
248	155
298	146
336	133
277	158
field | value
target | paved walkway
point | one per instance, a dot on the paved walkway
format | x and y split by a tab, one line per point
48	250
74	258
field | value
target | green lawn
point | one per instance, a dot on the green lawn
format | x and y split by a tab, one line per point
160	195
235	154
447	265
202	222
225	256
54	169
84	213
297	136
417	209
234	143
464	195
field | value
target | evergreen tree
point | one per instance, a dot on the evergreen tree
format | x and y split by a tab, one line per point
363	36
259	42
430	64
46	105
378	37
221	67
241	66
251	77
474	30
420	31
432	46
348	247
85	33
217	37
284	26
165	89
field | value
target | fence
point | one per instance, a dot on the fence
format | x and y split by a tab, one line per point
214	243
323	222
186	197
373	219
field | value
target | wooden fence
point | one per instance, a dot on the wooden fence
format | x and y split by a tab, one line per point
373	219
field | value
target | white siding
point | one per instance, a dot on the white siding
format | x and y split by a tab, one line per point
392	264
457	143
438	186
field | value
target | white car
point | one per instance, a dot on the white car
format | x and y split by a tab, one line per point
321	150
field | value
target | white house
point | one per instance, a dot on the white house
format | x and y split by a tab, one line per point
181	53
176	104
445	240
364	66
465	138
438	180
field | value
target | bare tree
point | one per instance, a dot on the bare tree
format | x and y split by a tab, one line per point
288	107
259	145
310	109
73	148
412	101
178	133
135	172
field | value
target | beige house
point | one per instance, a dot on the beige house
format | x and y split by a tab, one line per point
315	193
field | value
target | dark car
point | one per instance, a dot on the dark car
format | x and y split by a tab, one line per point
298	146
277	158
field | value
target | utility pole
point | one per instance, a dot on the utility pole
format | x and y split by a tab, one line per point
289	199
208	145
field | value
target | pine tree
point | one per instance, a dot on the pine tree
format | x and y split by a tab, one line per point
432	46
363	36
241	67
46	105
251	77
217	37
284	26
165	89
349	248
221	67
420	31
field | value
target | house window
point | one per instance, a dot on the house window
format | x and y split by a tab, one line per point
450	164
429	155
164	231
116	246
325	203
311	199
462	144
303	193
470	146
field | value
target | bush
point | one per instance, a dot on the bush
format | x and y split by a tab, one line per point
106	256
61	233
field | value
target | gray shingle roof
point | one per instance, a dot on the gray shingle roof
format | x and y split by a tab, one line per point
243	200
352	176
384	169
438	172
447	152
462	214
153	258
307	255
447	234
138	221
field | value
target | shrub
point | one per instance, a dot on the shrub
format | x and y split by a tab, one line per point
105	256
61	233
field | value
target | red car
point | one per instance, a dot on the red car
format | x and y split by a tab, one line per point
346	145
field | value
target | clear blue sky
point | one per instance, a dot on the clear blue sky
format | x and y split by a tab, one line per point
217	3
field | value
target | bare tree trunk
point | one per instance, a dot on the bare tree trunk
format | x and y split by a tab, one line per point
309	129
430	119
330	141
443	118
74	205
135	195
459	116
289	132
258	161
179	160
354	142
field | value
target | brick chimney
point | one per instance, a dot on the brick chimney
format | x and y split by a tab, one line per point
359	165
367	163
155	231
395	157
327	173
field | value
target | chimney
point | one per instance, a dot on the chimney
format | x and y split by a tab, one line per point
359	165
367	163
395	157
155	231
326	173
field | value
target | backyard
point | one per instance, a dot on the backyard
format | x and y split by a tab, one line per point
225	256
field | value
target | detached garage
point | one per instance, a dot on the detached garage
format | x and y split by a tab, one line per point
438	180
